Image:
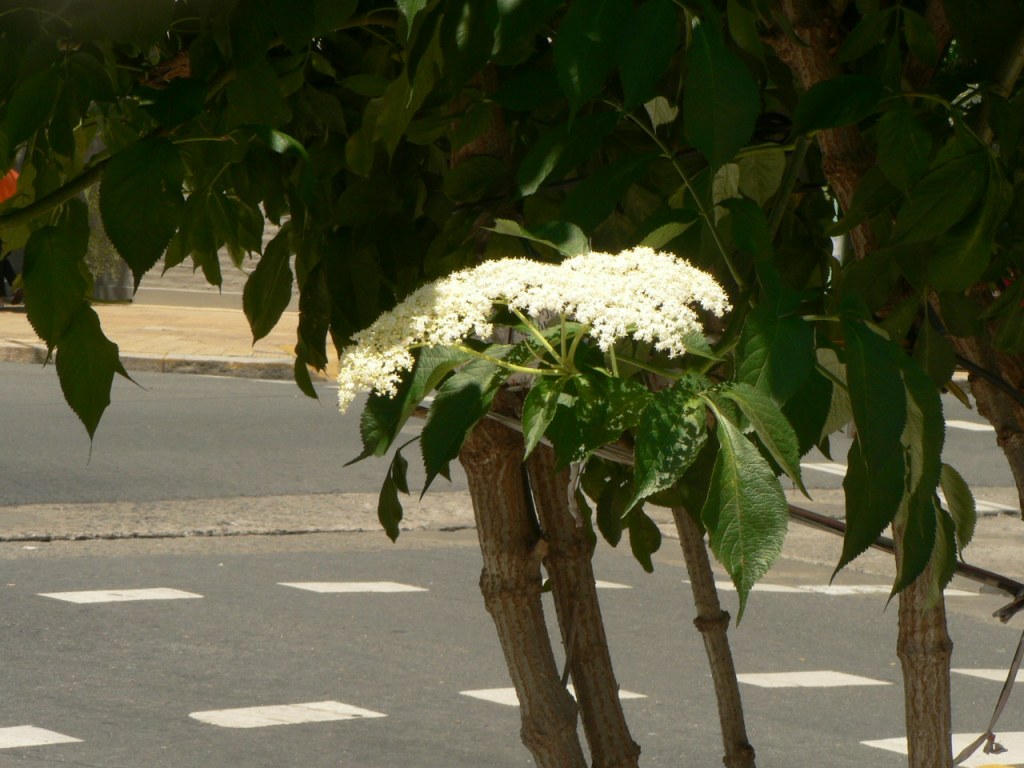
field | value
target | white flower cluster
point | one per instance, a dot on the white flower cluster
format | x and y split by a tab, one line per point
640	293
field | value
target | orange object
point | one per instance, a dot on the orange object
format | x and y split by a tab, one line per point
9	185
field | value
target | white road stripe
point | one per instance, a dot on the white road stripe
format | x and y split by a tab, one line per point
825	678
121	595
1013	741
970	426
610	585
508	697
999	675
30	736
284	714
334	587
833	590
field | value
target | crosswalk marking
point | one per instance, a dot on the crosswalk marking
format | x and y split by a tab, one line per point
120	595
833	590
998	675
970	426
1013	741
508	697
335	587
835	468
284	714
824	678
30	736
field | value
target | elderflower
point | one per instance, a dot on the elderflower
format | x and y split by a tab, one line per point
640	293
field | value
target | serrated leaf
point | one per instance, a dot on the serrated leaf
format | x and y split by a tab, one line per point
745	513
141	201
86	363
389	506
30	105
919	36
467	37
876	389
771	426
960	502
564	237
607	407
300	372
665	226
54	283
254	97
474	179
721	101
873	497
808	410
670	436
843	100
916	545
775	353
934	353
585	47
904	146
761	173
268	290
944	196
644	538
539	409
943	556
590	203
645	49
460	403
869	32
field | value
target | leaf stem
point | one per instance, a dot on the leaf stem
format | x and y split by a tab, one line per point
796	161
506	365
536	333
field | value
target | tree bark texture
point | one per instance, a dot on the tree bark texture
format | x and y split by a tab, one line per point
713	624
512	550
568	563
924	650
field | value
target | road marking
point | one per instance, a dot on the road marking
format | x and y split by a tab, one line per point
833	590
610	585
834	468
284	714
1013	741
30	736
121	595
999	675
508	697
824	678
334	587
970	426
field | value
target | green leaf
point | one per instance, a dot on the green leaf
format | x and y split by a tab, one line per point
873	498
761	173
771	426
539	409
868	33
268	290
300	372
808	409
254	97
876	389
410	8
179	102
665	226
644	538
608	406
944	196
843	100
30	106
525	91
671	433
564	237
475	179
389	506
918	544
559	150
919	36
746	513
776	354
721	101
944	556
590	203
585	47
645	49
294	21
960	502
86	363
460	403
904	146
54	283
467	37
934	354
141	202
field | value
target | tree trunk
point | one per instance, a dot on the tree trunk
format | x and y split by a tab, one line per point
568	563
713	624
512	551
924	649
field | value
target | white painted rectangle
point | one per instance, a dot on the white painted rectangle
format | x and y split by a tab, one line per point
610	585
828	467
728	586
999	675
825	678
30	736
121	595
970	426
284	714
338	587
508	697
1013	741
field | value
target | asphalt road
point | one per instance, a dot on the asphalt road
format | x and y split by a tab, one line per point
128	679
